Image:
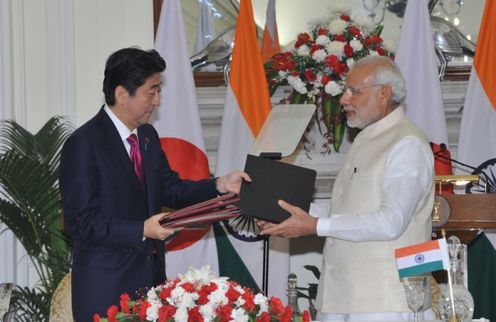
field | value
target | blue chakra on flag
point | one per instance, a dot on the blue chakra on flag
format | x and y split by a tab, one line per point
419	258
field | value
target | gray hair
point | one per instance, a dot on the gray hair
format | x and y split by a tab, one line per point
387	73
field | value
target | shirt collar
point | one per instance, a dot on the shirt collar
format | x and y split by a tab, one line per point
121	127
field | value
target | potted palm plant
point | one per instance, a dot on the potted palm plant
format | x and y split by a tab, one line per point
30	207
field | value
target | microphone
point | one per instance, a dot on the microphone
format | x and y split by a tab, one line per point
443	148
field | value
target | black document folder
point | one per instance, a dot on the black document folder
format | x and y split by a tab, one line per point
272	181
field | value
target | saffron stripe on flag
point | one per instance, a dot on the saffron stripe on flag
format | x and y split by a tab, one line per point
415	249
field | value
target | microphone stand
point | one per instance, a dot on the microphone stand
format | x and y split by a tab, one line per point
476	171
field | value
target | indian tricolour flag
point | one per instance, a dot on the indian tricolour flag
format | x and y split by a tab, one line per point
247	105
422	258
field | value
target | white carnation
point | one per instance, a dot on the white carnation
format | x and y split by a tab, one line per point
239	315
322	40
373	53
262	302
218	297
297	84
200	276
350	62
208	313
303	50
181	314
319	55
337	26
283	73
333	88
152	312
336	48
356	45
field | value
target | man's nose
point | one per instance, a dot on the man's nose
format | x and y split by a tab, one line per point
345	98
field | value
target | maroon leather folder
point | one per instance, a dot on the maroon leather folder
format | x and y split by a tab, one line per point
207	212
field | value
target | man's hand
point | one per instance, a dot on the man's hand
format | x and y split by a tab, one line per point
299	224
231	182
153	229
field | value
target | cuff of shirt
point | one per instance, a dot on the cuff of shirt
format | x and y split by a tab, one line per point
324	227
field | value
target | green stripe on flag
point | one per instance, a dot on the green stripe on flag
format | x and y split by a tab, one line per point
420	269
230	263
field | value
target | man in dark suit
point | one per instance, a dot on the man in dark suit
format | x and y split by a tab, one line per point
114	180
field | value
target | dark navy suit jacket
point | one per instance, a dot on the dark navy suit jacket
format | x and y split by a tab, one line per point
105	207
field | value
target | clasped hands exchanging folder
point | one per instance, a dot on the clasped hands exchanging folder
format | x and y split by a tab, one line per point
261	198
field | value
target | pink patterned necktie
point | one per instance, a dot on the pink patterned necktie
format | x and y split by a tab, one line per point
136	157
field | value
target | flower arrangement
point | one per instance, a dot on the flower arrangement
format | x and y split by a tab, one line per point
198	296
317	65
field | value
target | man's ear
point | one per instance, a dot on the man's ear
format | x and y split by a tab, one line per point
385	94
121	94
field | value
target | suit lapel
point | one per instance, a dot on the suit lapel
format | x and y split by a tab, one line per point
117	152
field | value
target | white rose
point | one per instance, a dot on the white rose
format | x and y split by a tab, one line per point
332	88
319	55
356	45
350	62
322	40
297	84
303	50
336	48
337	26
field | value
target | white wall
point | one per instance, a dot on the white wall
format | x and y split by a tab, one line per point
51	63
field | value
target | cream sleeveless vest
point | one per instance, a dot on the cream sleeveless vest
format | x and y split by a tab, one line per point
362	277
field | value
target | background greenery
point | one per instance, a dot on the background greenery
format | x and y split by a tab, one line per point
30	206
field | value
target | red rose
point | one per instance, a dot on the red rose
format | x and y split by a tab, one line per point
310	76
166	292
372	40
142	312
322	32
302	39
287	315
283	61
276	306
224	313
202	297
188	287
96	318
249	301
264	317
232	295
314	48
380	51
348	50
165	313
124	303
345	18
355	31
194	315
112	313
332	61
325	79
340	38
306	316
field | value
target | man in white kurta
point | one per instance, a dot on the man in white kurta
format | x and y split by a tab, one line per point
382	200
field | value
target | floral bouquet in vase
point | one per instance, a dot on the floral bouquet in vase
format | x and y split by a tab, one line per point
198	296
317	65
